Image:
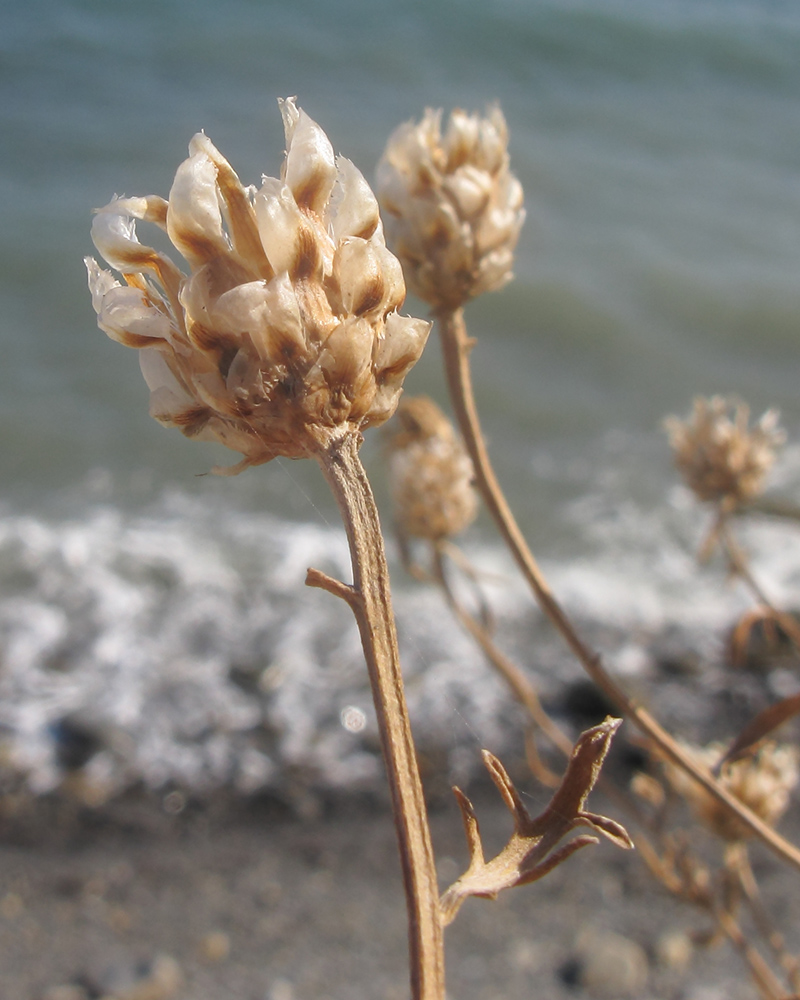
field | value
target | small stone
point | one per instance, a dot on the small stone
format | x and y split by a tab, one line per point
610	965
281	989
11	906
65	992
674	950
159	979
120	919
526	955
215	946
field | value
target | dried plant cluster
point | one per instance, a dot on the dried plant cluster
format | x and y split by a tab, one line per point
286	326
284	339
430	473
720	456
453	210
763	780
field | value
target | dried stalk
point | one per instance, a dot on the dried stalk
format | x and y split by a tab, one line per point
740	566
456	346
737	862
370	600
520	686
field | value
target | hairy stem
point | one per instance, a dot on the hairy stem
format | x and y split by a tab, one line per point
456	347
370	600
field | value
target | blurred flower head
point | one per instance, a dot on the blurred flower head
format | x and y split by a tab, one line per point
286	326
763	781
453	210
719	456
430	472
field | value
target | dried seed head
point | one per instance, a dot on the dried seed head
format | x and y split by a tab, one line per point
286	327
430	472
763	781
453	210
720	457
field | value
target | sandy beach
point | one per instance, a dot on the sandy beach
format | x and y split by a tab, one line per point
253	903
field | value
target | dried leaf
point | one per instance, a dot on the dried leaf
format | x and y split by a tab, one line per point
763	724
532	850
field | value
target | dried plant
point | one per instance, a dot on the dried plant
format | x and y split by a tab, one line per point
763	777
286	330
720	456
533	851
430	473
763	780
412	230
453	210
284	340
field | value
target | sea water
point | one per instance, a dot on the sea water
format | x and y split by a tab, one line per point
153	616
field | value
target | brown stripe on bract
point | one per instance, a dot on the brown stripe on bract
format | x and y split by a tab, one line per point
211	340
191	421
371	296
397	369
314	186
369	229
242	220
195	247
306	254
136	340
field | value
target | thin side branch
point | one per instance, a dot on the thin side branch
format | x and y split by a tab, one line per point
316	578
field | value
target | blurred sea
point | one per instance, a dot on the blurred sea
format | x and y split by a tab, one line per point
153	619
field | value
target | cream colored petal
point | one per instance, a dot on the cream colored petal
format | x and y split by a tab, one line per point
460	138
384	404
268	314
237	206
495	271
347	353
286	235
114	235
400	347
169	395
100	282
310	167
470	190
194	219
125	313
499	226
354	208
357	270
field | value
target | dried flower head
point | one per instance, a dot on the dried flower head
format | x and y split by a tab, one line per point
720	457
763	781
430	472
286	327
453	210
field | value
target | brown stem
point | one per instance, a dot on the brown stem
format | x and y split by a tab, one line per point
738	862
741	567
370	600
520	686
456	346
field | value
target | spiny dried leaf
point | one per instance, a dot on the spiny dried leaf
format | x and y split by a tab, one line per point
532	850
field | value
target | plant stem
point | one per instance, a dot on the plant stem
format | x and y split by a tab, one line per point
371	603
456	347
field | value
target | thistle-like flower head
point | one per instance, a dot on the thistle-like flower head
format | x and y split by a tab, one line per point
763	781
452	208
722	458
286	326
430	472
